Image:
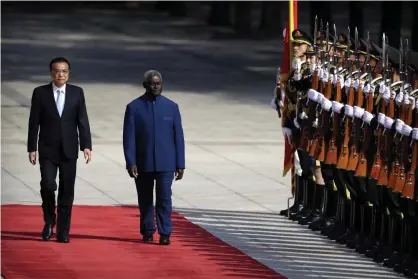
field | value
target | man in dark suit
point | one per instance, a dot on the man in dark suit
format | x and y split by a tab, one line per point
153	144
58	109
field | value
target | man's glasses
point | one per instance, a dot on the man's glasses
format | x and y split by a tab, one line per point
58	71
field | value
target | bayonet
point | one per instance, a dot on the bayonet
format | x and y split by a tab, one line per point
368	67
356	48
326	47
327	38
335	58
384	62
315	34
321	32
401	72
406	61
387	60
348	50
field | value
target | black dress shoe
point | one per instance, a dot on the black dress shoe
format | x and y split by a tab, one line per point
63	239
47	232
148	238
164	240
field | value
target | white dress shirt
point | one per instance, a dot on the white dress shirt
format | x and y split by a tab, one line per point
62	97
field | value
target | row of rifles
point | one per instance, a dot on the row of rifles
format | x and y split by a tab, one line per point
361	122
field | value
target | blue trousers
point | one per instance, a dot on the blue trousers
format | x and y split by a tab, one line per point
145	190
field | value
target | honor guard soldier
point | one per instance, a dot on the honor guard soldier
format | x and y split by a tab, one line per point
300	82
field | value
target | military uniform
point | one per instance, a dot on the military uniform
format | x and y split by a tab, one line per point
300	81
355	114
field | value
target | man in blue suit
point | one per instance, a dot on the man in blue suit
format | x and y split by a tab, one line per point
153	144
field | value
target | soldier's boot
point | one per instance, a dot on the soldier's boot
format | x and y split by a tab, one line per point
298	201
308	189
317	206
409	241
365	220
397	260
386	251
374	197
380	242
330	205
411	267
401	236
337	219
350	231
363	214
370	239
393	201
340	228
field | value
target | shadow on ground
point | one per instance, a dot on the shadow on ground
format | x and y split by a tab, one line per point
289	248
30	40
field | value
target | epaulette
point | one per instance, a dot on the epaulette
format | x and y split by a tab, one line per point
414	93
354	75
396	86
303	66
376	81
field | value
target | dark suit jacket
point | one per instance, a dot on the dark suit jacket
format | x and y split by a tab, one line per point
57	134
153	135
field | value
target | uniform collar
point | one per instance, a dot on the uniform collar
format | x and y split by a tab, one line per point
150	98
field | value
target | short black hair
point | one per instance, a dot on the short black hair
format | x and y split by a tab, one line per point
59	60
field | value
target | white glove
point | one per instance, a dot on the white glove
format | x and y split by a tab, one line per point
325	76
366	89
287	133
273	104
382	88
399	99
296	63
295	122
386	94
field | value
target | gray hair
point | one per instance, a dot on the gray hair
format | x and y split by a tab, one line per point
152	73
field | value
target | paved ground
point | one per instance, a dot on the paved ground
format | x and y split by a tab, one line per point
232	186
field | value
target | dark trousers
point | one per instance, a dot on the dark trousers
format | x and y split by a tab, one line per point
67	173
145	189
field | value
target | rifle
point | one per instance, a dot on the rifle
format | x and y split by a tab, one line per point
377	161
358	113
409	189
315	77
305	136
403	145
342	161
388	122
361	169
326	104
332	154
394	171
316	137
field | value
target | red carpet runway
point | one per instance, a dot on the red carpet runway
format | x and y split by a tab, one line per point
105	243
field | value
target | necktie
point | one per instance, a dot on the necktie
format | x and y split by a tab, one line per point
59	101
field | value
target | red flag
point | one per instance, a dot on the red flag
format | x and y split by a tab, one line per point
289	150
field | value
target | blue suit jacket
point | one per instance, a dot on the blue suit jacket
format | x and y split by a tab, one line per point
153	137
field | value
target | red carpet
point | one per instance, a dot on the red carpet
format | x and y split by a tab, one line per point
105	244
